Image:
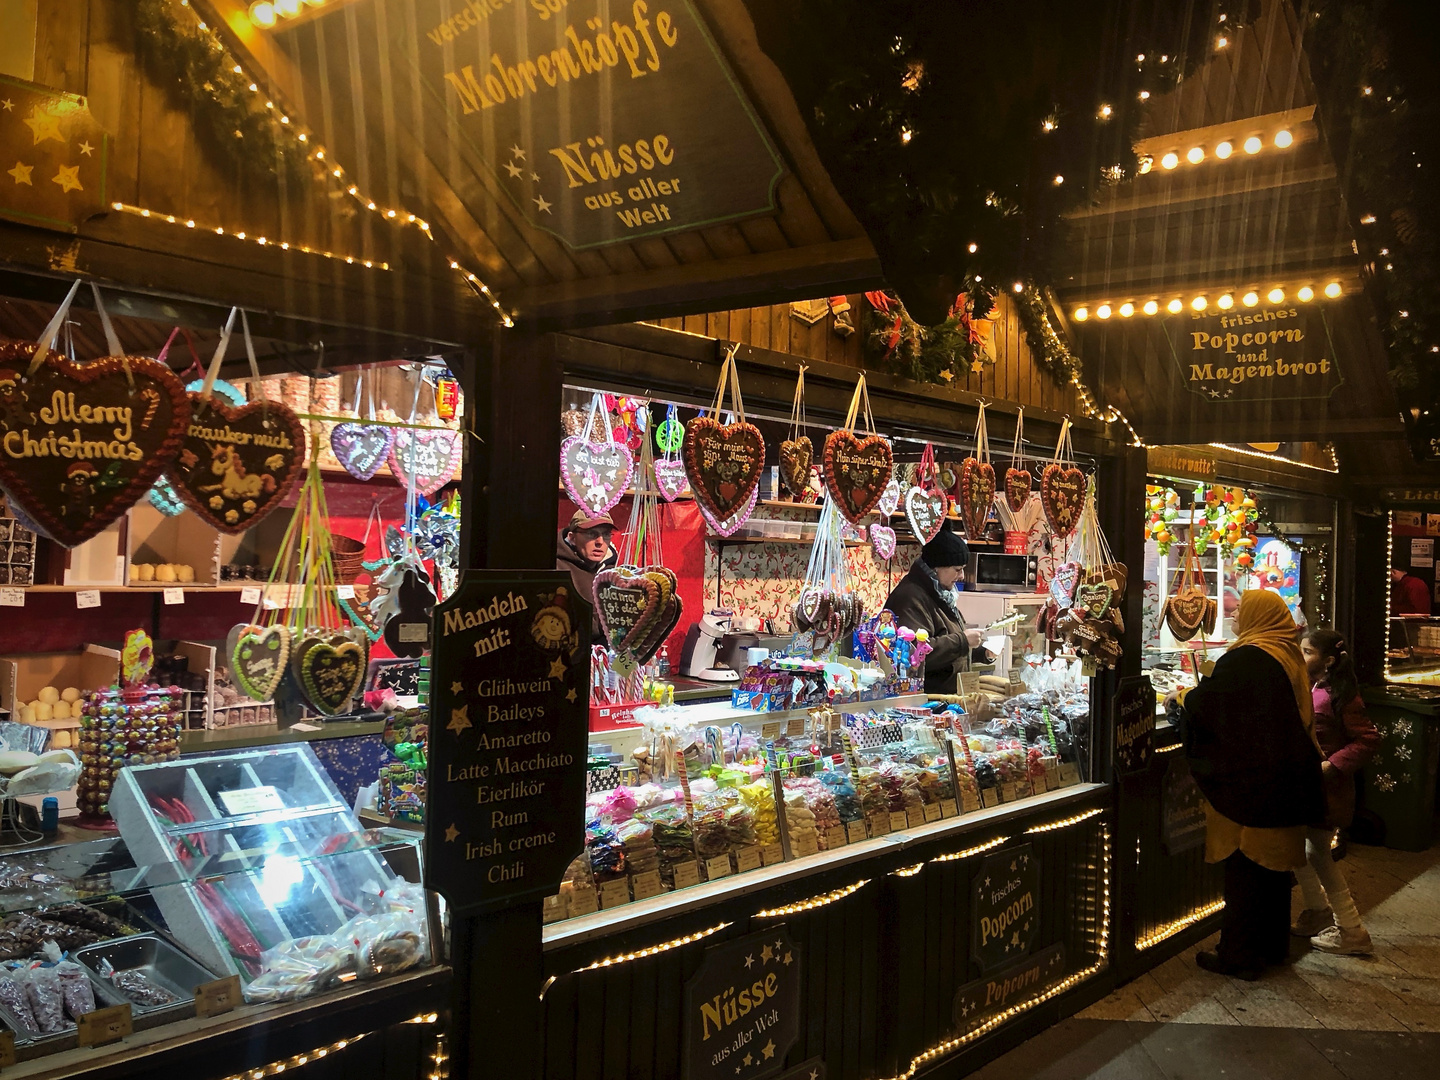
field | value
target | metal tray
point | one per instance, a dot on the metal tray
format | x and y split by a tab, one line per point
159	961
26	1036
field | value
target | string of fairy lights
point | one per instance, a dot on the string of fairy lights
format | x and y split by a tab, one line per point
332	170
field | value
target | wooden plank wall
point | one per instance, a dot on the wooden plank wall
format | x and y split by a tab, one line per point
1015	376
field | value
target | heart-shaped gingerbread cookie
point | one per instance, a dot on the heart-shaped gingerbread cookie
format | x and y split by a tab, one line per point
735	520
670	478
925	510
977	495
361	448
432	457
1017	488
238	463
1184	613
1063	583
258	659
80	443
595	474
724	463
856	472
882	539
1094	599
627	601
890	497
796	457
330	669
1062	494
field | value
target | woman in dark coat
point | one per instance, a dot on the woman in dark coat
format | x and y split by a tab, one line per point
925	600
1248	735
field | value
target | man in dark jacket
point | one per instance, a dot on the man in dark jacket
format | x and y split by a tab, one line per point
584	549
925	600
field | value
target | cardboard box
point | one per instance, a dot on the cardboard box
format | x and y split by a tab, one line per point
181	540
23	677
98	561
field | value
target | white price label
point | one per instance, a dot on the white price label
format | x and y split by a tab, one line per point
414	631
251	800
250	594
87	598
174	596
12	597
345	592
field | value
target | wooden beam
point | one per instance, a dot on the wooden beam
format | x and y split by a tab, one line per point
1318	428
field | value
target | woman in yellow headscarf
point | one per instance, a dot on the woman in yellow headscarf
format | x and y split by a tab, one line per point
1247	730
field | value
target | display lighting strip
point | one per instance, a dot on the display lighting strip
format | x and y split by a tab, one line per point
653	950
1065	823
1276	457
1201	302
394	215
1389	584
949	1046
296	1061
1170	929
908	871
1222	151
978	849
812	903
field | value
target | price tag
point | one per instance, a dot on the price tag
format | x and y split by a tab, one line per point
947	808
251	800
554	909
1069	773
795	725
806	845
747	858
1052	776
879	824
583	902
1089	667
614	893
686	875
855	831
173	595
104	1025
969	682
932	811
898	821
1008	792
718	867
646	885
12	598
222	995
345	592
87	598
7	1048
835	837
770	730
971	801
250	594
772	854
414	632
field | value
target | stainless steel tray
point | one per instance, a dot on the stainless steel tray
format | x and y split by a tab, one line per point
159	961
26	1036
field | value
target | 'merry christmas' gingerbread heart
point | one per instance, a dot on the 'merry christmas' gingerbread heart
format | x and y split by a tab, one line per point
724	463
856	472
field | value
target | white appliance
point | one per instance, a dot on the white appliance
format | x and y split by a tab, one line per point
702	643
981	609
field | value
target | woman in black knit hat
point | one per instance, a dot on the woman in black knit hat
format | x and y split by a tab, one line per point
925	600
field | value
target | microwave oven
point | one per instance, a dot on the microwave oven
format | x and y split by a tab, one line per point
996	571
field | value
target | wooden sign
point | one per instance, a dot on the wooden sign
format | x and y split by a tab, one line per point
1267	354
977	1001
1134	722
7	1048
104	1025
600	123
742	1008
1182	817
1004	918
509	678
61	157
217	997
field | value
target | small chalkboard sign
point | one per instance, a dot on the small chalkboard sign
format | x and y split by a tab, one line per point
1004	911
743	1008
1134	723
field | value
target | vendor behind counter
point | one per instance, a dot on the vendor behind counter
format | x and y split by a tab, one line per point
925	600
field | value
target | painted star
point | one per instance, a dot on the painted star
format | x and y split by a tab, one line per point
749	960
7	105
457	687
778	946
1012	866
542	205
737	1070
976	365
557	669
68	178
517	153
86	149
768	1050
1015	939
747	1060
21	173
535	176
766	955
458	720
44	126
450	834
814	1074
514	170
987	882
787	959
947	375
571	696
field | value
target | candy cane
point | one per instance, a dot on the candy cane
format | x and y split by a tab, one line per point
152	397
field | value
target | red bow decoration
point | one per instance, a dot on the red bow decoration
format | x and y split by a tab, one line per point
881	303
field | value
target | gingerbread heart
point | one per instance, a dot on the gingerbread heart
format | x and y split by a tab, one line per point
977	494
595	474
1062	494
925	510
890	497
82	442
1064	582
724	463
1094	599
796	457
1212	612
238	463
430	456
735	520
627	601
882	539
358	610
330	670
1184	613
258	659
667	619
1113	574
362	448
1017	488
856	472
670	478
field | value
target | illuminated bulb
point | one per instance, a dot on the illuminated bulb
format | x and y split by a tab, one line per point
1250	299
288	8
1169	161
974	248
906	135
238	70
1195	156
1081	314
1368	219
1144	95
1126	310
1175	306
1332	290
1059	180
1226	302
1275	296
1019	286
1199	303
1105	112
1221	41
1047	125
1151	307
1283	138
1368	91
1224	150
1306	294
1103	311
1146	164
1140	59
1253	144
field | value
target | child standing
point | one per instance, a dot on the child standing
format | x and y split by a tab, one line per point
1348	740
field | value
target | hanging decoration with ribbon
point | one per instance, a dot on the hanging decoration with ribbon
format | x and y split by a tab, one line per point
1017	477
668	468
361	448
924	501
828	605
1093	623
1188	609
724	461
595	468
92	438
1062	487
424	458
977	482
857	470
797	453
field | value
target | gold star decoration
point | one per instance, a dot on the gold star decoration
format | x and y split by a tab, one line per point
7	105
458	720
44	126
87	149
68	178
542	205
746	1060
976	365
517	153
571	696
450	834
947	375
557	669
513	169
21	173
768	1050
766	955
456	687
787	958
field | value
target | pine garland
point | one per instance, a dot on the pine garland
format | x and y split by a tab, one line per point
939	353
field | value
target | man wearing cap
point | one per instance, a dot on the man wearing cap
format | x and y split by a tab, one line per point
925	600
584	548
